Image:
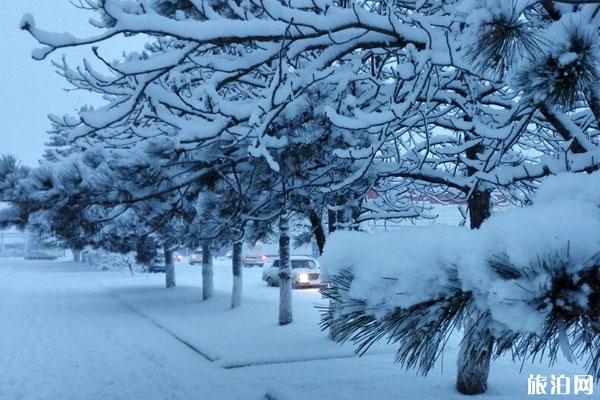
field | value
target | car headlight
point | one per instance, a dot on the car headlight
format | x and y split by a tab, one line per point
303	278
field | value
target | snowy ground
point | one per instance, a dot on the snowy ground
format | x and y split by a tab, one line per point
68	331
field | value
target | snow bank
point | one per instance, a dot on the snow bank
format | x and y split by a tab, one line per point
560	231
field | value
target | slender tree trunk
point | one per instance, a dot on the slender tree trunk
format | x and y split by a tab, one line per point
207	272
475	355
169	268
479	208
236	266
317	228
476	347
130	266
332	219
76	255
285	273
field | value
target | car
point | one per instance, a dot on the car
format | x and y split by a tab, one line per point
257	260
195	257
306	272
158	263
39	255
177	256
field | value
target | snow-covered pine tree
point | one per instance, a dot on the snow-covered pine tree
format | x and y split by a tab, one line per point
538	289
226	215
556	78
51	202
557	124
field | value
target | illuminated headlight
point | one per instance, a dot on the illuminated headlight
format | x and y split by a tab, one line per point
303	278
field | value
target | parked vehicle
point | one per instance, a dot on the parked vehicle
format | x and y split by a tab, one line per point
195	257
39	255
306	272
258	260
262	254
177	256
158	263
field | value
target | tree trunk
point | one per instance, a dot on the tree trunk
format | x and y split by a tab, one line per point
169	268
130	266
285	273
207	272
479	208
475	355
317	228
332	221
236	266
476	347
76	255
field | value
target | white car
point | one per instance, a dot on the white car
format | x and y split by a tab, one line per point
306	272
257	260
195	257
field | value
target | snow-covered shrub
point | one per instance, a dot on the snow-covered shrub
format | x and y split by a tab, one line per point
108	261
534	271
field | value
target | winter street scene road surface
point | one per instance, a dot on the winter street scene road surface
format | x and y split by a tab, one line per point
299	199
71	331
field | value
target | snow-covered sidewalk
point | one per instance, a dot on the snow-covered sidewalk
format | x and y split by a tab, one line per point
246	336
63	336
70	332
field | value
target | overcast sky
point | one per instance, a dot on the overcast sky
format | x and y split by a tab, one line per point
30	90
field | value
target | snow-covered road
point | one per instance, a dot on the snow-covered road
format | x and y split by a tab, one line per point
68	331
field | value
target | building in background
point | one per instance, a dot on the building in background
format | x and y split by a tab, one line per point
15	243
